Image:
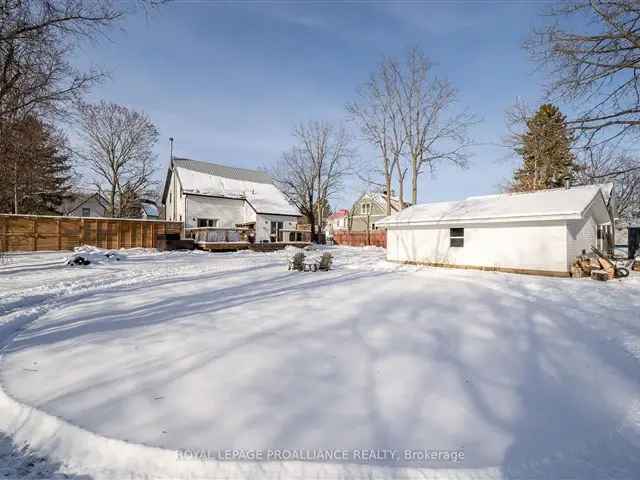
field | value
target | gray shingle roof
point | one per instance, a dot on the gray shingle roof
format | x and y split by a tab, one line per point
223	170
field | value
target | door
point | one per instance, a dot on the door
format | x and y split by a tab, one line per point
276	234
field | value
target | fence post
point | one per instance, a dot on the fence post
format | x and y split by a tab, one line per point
35	234
5	234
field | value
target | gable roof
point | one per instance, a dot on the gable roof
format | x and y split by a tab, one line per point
380	200
77	199
210	179
233	173
553	204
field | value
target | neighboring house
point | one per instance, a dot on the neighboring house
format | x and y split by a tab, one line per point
84	205
203	194
370	208
149	210
537	232
337	222
627	236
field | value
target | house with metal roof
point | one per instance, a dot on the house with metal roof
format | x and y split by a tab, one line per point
538	232
207	195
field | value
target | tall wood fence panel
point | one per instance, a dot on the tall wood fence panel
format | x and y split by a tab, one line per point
37	233
377	238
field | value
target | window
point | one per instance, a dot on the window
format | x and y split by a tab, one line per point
276	234
207	222
365	208
456	237
86	212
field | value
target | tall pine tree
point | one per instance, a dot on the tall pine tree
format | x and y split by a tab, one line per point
35	167
545	149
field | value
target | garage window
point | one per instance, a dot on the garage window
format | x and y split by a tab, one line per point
207	222
456	237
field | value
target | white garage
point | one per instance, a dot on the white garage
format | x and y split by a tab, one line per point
539	232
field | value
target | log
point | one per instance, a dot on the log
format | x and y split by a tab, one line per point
600	275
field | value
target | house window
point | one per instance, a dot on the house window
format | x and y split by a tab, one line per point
207	222
456	237
86	212
365	208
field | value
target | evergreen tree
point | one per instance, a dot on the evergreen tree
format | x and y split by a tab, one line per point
545	149
35	166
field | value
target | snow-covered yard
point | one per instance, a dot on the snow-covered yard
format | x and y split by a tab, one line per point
126	364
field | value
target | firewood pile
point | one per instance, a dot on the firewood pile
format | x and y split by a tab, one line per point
597	266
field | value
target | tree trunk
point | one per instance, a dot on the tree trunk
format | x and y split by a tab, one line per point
15	187
401	176
388	182
312	223
414	181
112	201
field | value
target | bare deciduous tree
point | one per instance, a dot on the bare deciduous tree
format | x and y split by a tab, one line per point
36	41
433	134
597	64
118	148
376	111
607	164
313	171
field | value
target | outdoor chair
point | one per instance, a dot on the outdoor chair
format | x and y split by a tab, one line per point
325	262
296	262
311	264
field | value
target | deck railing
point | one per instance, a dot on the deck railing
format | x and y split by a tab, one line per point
218	235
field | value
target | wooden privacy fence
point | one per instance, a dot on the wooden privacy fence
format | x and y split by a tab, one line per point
376	238
37	232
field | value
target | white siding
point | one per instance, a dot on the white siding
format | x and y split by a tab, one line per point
94	206
174	208
527	246
263	224
228	211
581	235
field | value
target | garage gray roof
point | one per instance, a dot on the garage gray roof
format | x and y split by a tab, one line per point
225	171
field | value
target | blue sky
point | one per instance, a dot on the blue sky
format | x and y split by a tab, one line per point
230	80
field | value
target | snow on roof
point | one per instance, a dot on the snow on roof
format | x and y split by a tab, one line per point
218	180
607	189
559	203
150	209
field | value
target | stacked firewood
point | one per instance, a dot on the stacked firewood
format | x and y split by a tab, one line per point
597	266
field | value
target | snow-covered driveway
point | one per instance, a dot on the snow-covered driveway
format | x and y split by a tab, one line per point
529	377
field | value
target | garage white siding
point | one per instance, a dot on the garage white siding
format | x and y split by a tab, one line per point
507	245
228	211
581	235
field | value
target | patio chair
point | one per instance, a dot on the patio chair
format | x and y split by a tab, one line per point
296	262
310	264
325	262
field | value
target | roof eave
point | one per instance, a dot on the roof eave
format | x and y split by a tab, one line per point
462	221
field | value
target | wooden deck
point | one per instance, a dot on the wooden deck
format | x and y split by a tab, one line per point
256	247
